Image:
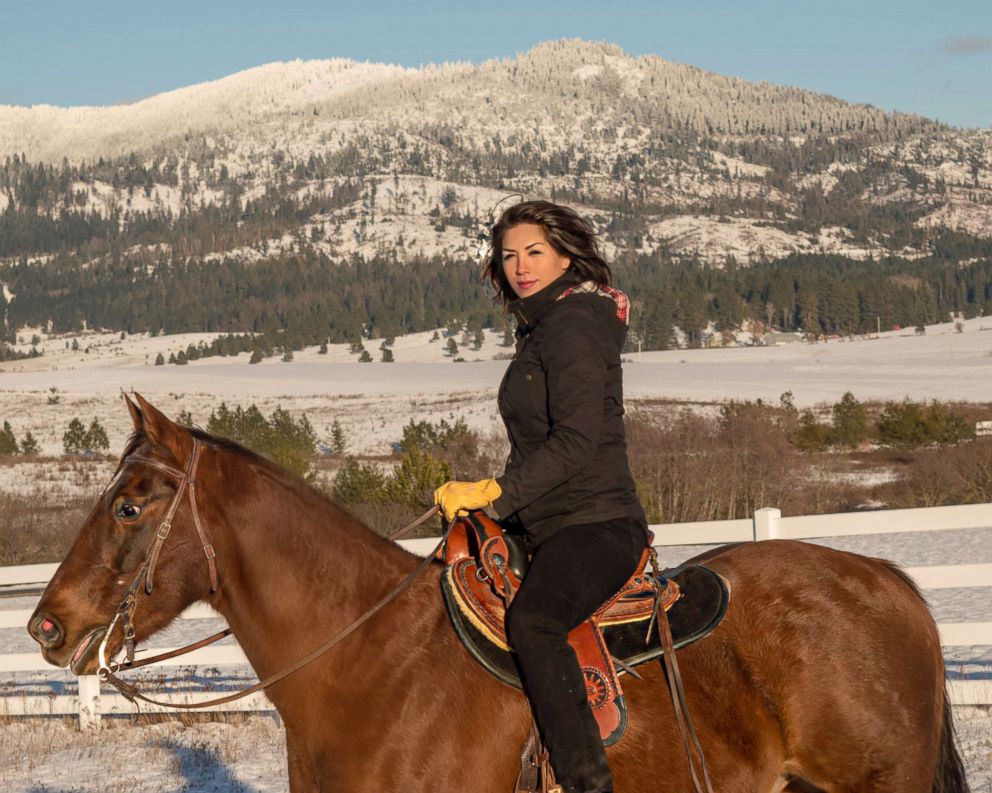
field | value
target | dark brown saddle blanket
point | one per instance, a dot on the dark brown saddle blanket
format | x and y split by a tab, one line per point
484	568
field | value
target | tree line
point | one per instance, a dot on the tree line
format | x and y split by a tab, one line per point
289	302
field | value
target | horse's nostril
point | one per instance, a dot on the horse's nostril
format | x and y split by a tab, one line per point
46	630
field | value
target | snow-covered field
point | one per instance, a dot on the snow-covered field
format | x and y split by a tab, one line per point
373	401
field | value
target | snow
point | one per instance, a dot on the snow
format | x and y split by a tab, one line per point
713	239
737	166
244	756
271	90
960	216
373	401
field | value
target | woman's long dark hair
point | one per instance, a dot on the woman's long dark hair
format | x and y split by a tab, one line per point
567	232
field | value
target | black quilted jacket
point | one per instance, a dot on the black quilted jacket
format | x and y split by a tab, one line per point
561	400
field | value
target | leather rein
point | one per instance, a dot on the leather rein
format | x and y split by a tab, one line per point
125	611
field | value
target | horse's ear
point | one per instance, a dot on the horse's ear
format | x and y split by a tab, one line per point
161	429
135	411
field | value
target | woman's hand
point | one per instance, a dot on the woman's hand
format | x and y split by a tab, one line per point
454	497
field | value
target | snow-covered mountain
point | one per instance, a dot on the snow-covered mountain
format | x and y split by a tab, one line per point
379	157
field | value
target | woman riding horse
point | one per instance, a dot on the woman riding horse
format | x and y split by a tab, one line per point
567	484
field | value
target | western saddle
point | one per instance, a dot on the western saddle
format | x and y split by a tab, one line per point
485	567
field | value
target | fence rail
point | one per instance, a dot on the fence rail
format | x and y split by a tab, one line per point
766	524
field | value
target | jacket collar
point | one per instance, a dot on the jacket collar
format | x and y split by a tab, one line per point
529	310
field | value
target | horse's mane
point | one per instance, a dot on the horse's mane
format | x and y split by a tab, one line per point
288	480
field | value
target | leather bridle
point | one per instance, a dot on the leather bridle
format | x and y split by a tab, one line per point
146	572
125	611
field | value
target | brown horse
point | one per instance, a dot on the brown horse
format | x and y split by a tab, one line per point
826	674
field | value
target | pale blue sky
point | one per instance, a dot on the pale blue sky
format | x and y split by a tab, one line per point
928	57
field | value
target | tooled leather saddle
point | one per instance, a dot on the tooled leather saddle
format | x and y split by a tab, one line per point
484	568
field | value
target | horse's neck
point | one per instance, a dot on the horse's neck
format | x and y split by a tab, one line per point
299	569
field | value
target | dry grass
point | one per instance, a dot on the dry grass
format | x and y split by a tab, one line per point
34	530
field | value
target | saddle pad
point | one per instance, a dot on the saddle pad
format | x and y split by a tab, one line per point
704	601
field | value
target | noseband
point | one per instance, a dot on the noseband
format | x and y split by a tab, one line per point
146	573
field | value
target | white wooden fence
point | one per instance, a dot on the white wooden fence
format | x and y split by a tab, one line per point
766	524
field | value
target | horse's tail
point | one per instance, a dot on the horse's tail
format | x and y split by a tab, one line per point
949	776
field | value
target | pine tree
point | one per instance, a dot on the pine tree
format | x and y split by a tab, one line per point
74	438
256	356
850	423
29	445
96	438
387	355
160	360
8	443
811	436
338	443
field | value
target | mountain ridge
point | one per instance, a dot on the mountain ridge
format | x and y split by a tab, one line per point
48	133
339	157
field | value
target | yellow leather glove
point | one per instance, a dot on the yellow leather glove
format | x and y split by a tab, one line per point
454	497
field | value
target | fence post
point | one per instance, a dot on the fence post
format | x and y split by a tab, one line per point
89	701
766	523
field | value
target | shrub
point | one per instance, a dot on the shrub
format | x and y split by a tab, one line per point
909	424
360	483
699	468
287	441
850	426
811	436
958	475
429	454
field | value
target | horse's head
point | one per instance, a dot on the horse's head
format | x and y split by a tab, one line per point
112	549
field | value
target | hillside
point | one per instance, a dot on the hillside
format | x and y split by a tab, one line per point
325	163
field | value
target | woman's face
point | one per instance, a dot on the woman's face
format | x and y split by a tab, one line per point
529	261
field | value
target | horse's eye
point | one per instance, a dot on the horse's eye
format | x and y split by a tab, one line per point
128	511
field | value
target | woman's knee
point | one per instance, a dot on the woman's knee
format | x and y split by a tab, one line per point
526	620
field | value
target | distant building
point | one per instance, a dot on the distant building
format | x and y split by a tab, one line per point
775	338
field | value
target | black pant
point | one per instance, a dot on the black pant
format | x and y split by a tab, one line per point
573	573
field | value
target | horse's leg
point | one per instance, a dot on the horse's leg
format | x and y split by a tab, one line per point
301	776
